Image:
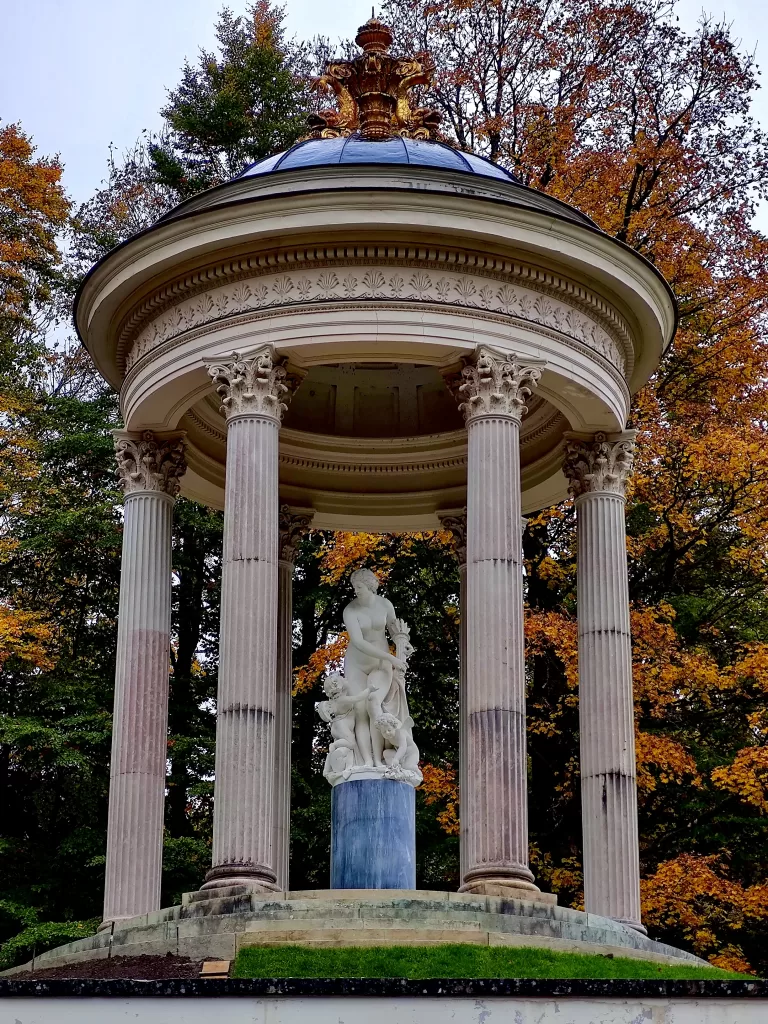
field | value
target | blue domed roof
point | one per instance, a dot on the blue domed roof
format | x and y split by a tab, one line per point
354	150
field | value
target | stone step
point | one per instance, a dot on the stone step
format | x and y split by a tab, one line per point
361	937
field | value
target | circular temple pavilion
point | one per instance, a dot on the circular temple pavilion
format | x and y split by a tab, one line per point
374	331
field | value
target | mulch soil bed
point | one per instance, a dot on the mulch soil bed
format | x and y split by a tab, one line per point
142	968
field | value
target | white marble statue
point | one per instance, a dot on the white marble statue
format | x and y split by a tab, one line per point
367	709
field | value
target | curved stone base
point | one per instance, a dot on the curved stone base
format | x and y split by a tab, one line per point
218	923
373	835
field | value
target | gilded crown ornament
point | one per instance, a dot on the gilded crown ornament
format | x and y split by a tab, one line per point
372	92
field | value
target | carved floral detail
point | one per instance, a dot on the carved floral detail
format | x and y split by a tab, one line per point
421	284
374	282
282	287
328	283
251	385
507	297
349	284
496	385
456	524
443	288
305	288
396	286
150	463
240	296
465	289
599	464
292	524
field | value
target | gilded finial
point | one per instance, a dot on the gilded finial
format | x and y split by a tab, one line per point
372	91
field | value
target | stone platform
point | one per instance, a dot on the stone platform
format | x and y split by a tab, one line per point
218	923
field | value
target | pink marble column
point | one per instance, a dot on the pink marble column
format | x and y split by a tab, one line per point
253	395
597	468
494	801
150	465
456	522
292	524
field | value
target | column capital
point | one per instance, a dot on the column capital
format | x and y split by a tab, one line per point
150	460
292	523
455	521
598	462
495	384
254	384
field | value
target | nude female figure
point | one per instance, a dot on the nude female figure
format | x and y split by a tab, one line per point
368	661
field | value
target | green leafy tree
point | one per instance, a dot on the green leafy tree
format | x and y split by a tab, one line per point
234	107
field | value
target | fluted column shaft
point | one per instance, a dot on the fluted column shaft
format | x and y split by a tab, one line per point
150	466
456	523
598	469
292	524
494	804
244	848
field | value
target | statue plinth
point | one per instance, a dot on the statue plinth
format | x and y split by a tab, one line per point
373	834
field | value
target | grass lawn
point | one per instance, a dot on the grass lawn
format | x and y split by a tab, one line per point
452	961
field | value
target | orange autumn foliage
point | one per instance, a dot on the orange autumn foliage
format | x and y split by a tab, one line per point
25	635
747	777
440	785
345	552
328	658
33	207
694	896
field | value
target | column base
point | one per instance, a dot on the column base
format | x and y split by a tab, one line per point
511	881
631	924
508	889
257	879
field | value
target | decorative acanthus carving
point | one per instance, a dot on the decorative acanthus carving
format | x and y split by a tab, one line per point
600	463
372	92
456	524
367	707
292	524
251	385
150	461
495	385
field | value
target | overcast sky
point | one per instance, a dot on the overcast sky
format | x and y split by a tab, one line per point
81	74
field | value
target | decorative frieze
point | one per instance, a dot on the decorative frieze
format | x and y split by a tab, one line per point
476	283
600	463
292	524
150	461
251	385
495	385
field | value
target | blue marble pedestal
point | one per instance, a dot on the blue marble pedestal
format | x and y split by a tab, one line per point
373	835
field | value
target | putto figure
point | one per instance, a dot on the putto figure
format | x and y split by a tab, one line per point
338	711
367	709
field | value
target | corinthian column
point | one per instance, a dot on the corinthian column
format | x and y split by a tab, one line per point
597	468
292	524
149	467
252	393
494	811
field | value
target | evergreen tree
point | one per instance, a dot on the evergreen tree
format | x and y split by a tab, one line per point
236	107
